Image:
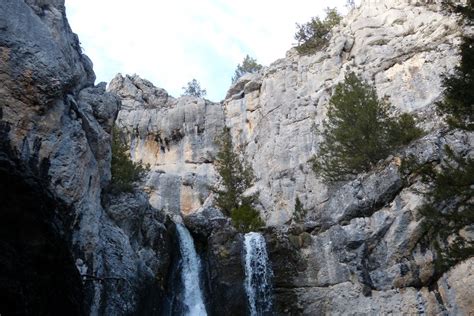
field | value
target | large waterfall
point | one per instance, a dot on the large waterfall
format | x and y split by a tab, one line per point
258	274
193	297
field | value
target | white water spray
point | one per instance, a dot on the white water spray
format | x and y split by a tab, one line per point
193	298
258	274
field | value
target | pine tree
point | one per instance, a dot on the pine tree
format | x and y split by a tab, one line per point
249	65
315	34
193	88
458	102
124	170
359	131
236	178
300	213
448	208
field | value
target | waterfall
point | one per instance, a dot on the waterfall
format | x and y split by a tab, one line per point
193	298
258	274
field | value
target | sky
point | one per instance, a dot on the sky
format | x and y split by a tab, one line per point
172	42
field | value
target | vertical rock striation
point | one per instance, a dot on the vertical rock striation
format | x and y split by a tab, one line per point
56	127
175	136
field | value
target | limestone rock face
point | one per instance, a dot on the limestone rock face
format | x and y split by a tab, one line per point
366	245
360	241
401	48
176	137
57	124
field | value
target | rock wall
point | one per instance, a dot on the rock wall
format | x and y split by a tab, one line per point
402	49
275	115
359	251
175	137
367	246
58	124
360	242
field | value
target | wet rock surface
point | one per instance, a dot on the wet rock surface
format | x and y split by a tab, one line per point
221	247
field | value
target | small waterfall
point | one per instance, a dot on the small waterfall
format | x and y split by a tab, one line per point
258	275
193	298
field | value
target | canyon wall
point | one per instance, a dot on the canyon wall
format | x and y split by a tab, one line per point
359	249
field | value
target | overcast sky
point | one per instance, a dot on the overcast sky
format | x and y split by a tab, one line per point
172	42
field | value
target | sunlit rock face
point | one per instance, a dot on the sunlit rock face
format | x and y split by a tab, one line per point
358	251
176	137
401	47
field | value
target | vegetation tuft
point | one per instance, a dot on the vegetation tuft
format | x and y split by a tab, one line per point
194	89
449	207
299	213
249	65
124	171
458	103
315	34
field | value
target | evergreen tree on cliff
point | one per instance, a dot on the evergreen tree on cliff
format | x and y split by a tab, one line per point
194	89
236	178
249	65
359	131
458	103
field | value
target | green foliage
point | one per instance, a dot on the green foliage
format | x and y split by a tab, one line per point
249	65
236	178
246	219
449	204
299	213
315	34
194	89
458	102
358	131
449	207
402	130
124	170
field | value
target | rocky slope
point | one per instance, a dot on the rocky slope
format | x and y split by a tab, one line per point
361	241
55	127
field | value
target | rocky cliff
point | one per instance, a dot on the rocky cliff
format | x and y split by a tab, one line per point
361	240
62	251
69	247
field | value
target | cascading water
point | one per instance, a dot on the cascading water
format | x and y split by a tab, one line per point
258	275
192	298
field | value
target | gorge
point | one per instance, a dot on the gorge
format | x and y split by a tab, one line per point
68	246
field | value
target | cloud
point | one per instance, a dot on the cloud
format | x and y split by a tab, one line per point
171	42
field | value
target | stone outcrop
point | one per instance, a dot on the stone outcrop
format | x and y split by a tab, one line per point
222	247
176	137
366	245
37	271
56	127
402	48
